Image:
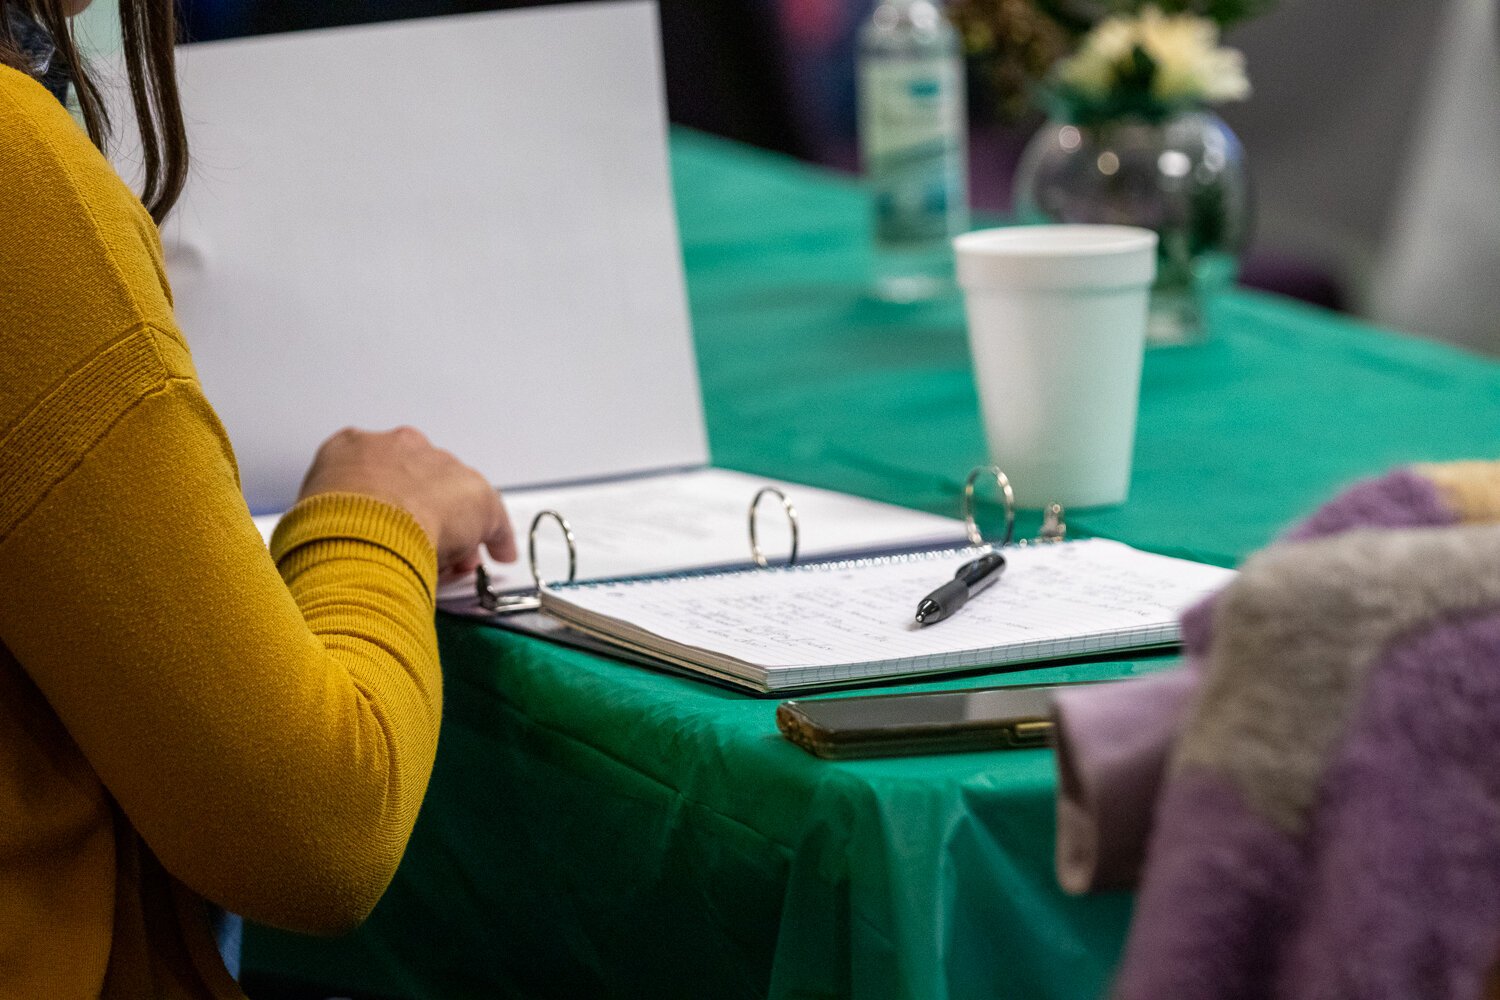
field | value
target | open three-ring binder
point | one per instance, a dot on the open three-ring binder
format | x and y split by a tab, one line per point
690	520
439	243
516	298
442	243
840	621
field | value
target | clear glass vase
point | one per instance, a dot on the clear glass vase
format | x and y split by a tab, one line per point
1183	177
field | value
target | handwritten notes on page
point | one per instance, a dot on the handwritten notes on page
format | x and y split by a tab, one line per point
843	622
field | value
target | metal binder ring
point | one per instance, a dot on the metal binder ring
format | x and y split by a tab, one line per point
791	516
562	522
498	603
970	525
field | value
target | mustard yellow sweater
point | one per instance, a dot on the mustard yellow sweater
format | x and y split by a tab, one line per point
184	716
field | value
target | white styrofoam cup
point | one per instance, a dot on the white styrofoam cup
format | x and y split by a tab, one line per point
1057	327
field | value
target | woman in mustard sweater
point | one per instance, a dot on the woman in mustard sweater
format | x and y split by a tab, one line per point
187	720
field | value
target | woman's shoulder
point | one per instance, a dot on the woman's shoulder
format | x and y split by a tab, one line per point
52	173
39	135
46	154
80	262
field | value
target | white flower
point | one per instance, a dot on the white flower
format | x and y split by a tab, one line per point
1190	65
1092	69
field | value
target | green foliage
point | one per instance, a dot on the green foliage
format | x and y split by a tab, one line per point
1072	15
1222	12
1013	45
1078	16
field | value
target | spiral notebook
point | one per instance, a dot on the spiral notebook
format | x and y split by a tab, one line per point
848	622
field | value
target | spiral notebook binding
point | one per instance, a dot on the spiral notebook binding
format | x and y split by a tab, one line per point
822	566
1054	529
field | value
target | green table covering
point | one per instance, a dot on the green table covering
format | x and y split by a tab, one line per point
595	829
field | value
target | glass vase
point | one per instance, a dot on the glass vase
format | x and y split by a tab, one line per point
1183	177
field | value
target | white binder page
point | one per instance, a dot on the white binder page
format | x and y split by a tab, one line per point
461	223
695	520
839	622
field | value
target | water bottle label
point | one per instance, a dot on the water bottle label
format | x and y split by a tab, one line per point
911	130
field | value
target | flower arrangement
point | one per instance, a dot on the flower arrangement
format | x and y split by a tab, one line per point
1131	139
1149	65
1128	59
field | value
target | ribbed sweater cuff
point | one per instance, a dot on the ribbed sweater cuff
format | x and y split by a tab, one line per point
355	518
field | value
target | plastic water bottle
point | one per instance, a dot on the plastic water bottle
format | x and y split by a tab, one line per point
913	144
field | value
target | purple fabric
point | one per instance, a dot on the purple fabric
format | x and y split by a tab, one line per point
1387	887
1405	889
1113	745
1107	739
1401	499
1392	892
1207	916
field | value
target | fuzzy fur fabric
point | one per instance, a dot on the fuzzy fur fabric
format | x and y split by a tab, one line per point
1329	826
1296	635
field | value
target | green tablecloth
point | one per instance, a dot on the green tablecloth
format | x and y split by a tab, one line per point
594	829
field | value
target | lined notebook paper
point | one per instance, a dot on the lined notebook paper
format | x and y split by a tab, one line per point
846	622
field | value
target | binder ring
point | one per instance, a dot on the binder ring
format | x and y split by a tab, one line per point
497	603
791	516
567	529
971	527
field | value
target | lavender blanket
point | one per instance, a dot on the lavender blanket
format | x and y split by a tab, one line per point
1320	786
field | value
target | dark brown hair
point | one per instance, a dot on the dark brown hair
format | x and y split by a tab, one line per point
149	35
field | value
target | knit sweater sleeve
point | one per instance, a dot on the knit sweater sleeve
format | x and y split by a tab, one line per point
266	720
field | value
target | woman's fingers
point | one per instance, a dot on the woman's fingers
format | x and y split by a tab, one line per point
452	502
501	539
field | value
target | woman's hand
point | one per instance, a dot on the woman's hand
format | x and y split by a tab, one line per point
453	503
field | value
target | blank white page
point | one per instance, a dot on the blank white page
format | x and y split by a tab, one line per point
849	621
463	223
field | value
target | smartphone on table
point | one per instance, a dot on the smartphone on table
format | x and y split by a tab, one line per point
892	725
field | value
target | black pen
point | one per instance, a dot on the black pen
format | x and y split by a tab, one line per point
971	578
